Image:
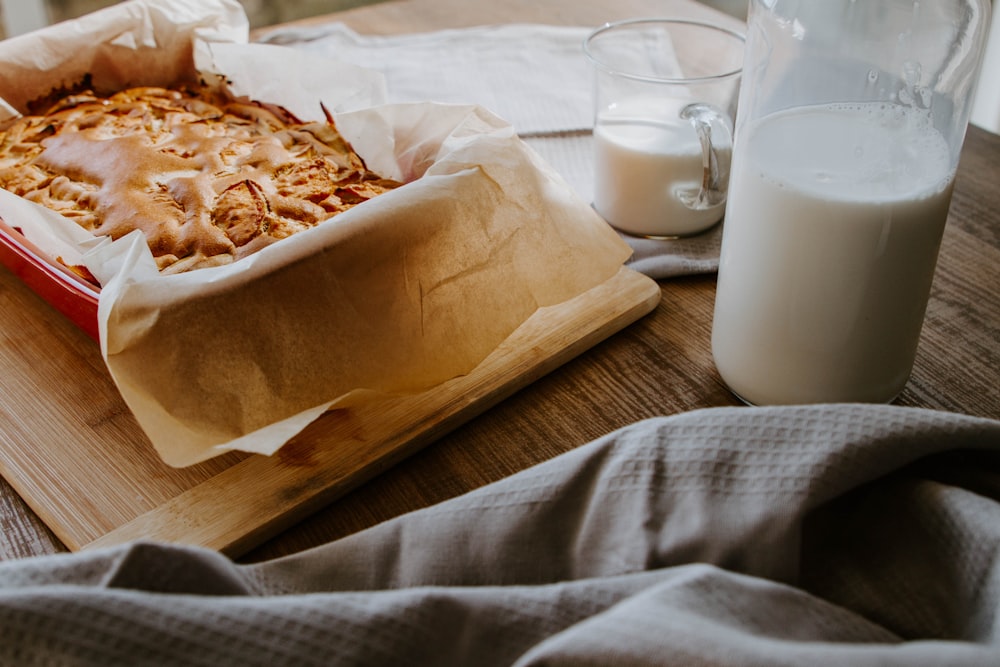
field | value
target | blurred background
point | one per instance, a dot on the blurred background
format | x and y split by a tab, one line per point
18	16
23	15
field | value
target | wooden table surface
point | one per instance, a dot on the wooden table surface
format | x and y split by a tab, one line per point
660	365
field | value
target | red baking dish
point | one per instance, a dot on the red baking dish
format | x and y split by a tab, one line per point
60	287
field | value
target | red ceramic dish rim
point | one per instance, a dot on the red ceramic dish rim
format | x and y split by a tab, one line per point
57	285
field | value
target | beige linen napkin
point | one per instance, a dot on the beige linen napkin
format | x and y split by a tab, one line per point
533	76
811	535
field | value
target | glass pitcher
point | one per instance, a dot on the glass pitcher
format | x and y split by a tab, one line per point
850	121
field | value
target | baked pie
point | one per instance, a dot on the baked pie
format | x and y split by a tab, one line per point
208	179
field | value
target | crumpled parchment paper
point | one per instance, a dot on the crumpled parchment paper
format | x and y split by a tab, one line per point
399	294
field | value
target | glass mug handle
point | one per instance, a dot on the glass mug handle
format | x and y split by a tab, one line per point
714	129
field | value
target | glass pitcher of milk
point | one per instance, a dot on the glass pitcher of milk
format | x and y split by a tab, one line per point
850	121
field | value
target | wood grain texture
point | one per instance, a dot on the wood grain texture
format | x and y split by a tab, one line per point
958	359
89	473
660	365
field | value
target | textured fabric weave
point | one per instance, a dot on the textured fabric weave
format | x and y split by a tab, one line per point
813	535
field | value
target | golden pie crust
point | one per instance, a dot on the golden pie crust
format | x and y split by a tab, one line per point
208	179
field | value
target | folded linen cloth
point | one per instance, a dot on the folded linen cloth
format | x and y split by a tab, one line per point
533	76
810	535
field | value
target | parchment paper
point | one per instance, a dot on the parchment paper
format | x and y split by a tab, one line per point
498	66
396	295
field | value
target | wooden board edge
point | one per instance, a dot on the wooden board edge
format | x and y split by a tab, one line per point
183	518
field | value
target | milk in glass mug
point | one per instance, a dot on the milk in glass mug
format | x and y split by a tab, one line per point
664	99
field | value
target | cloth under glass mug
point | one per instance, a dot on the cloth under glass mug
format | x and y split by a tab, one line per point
664	100
851	119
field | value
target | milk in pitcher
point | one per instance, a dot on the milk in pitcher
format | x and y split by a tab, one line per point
825	272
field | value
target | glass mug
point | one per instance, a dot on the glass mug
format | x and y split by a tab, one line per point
851	118
664	95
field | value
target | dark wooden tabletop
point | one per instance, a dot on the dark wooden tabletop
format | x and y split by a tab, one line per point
660	365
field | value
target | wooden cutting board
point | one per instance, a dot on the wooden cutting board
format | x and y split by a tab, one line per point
73	451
